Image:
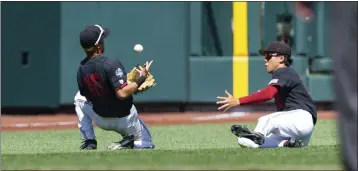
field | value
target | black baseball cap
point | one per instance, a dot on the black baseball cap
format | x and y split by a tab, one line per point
277	47
92	35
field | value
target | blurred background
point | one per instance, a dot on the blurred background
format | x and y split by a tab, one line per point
200	49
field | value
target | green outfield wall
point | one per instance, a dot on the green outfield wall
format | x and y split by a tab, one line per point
196	54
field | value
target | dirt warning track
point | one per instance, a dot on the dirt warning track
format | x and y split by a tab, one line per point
66	121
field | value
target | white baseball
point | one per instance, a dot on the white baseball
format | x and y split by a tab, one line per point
138	48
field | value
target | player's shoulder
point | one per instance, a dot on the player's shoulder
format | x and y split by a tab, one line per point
106	59
109	60
112	63
292	73
285	71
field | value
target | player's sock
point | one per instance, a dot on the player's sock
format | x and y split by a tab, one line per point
272	142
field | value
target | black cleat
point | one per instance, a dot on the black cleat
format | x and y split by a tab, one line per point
126	143
89	145
293	143
243	131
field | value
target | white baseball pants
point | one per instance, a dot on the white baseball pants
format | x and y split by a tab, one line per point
279	126
130	124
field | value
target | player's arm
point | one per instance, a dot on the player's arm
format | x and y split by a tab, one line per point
276	83
262	95
129	89
118	79
230	101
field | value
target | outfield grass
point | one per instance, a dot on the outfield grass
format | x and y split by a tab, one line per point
209	146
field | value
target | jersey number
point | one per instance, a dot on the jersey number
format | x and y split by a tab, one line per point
95	84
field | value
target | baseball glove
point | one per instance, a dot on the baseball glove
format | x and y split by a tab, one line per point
133	75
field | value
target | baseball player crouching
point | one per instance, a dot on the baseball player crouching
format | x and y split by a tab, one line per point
133	130
103	82
293	123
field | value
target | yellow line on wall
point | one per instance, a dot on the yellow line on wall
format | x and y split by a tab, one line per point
240	50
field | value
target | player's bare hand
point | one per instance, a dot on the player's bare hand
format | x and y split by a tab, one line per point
143	71
227	102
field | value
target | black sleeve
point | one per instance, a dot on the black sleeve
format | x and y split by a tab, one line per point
82	91
281	80
79	83
116	74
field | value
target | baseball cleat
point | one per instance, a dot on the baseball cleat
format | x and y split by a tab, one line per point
126	143
243	131
293	143
89	145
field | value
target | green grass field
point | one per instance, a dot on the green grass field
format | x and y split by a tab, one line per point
207	146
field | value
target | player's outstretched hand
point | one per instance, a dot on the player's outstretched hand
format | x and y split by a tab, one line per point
143	71
227	102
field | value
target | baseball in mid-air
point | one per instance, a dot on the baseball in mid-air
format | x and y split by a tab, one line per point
138	48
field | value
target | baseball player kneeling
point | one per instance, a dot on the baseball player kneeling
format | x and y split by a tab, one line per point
133	130
105	94
293	123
